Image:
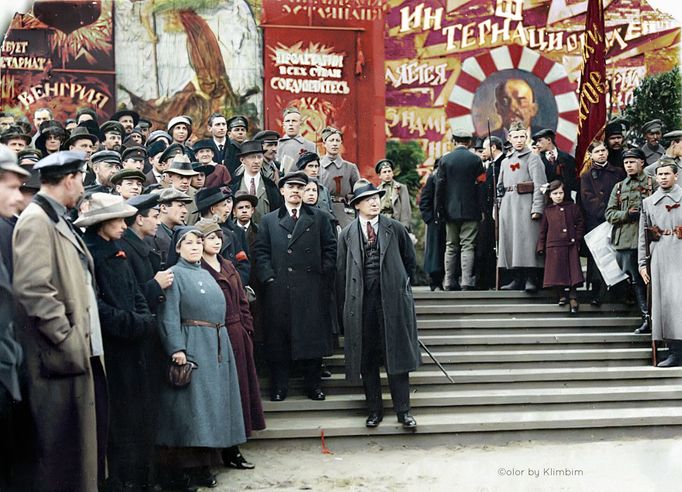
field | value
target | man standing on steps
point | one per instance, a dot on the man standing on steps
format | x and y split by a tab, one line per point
661	218
457	191
375	263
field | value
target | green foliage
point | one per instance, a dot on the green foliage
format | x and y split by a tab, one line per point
406	156
658	97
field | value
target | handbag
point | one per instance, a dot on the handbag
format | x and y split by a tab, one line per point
180	376
525	187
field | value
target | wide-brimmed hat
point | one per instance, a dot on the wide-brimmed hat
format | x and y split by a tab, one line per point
104	206
207	197
50	127
250	147
365	191
206	169
79	133
298	177
15	132
128	174
245	196
181	165
126	112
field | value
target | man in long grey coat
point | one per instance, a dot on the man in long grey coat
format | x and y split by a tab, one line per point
661	216
62	339
521	175
375	263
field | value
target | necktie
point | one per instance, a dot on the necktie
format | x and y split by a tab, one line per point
550	157
252	187
221	147
294	214
371	235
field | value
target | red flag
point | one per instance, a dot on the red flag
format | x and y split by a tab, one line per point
593	84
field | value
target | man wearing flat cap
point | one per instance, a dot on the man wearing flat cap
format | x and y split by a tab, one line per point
254	182
128	183
295	261
111	135
457	193
376	264
105	164
172	213
674	151
652	148
614	136
338	175
291	144
62	338
271	166
558	164
623	211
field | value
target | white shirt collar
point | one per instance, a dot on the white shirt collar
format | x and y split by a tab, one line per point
363	225
248	177
298	210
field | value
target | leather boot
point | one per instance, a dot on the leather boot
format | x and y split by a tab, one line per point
674	356
516	283
452	272
467	270
531	285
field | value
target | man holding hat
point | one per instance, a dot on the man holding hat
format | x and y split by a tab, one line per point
457	193
558	164
127	118
206	154
271	167
295	259
674	151
111	135
614	135
253	182
291	144
133	158
623	211
653	150
376	263
128	183
172	213
396	201
338	175
105	164
15	138
62	339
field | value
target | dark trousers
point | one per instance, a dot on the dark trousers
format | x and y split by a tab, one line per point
102	410
374	355
279	374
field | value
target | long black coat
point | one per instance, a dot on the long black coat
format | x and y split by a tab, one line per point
271	190
231	159
235	249
296	261
128	331
595	189
434	252
145	263
397	263
563	168
457	189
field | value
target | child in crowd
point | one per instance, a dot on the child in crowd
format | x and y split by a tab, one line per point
561	230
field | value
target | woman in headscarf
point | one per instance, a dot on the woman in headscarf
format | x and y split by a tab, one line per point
199	420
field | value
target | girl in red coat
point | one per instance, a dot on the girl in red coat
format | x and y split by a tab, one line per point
561	230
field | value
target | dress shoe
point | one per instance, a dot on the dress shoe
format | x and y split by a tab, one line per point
515	284
316	394
278	395
407	420
574	306
373	420
531	286
233	458
673	360
202	477
468	287
643	329
434	287
453	288
562	301
596	301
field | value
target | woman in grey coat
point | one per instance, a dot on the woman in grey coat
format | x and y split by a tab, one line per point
196	421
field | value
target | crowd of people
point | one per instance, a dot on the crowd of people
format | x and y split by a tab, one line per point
150	276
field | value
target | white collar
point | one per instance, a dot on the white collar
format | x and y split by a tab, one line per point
374	222
298	210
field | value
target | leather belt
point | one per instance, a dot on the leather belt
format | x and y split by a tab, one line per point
656	232
510	188
217	326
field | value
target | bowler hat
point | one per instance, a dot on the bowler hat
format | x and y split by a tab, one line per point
104	206
244	196
297	177
251	147
382	164
207	197
365	191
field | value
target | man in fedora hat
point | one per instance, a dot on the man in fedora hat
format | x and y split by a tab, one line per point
15	138
127	118
105	164
172	213
338	175
62	339
160	157
128	183
179	175
206	154
271	166
652	148
252	180
111	135
295	258
237	128
376	263
81	140
128	329
292	143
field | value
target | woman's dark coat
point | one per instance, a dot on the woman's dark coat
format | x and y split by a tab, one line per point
128	331
561	229
397	266
296	261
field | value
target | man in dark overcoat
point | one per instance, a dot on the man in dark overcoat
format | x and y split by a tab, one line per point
434	251
558	164
62	339
295	260
376	262
457	191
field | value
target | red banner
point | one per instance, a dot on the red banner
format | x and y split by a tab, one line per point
593	83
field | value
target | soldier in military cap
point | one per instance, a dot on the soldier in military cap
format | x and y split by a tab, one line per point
128	182
105	164
623	211
338	175
291	144
614	135
15	138
653	150
133	158
295	260
111	135
207	155
127	118
29	156
396	202
172	213
237	127
271	167
674	151
558	164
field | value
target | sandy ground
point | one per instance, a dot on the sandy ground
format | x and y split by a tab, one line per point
649	460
